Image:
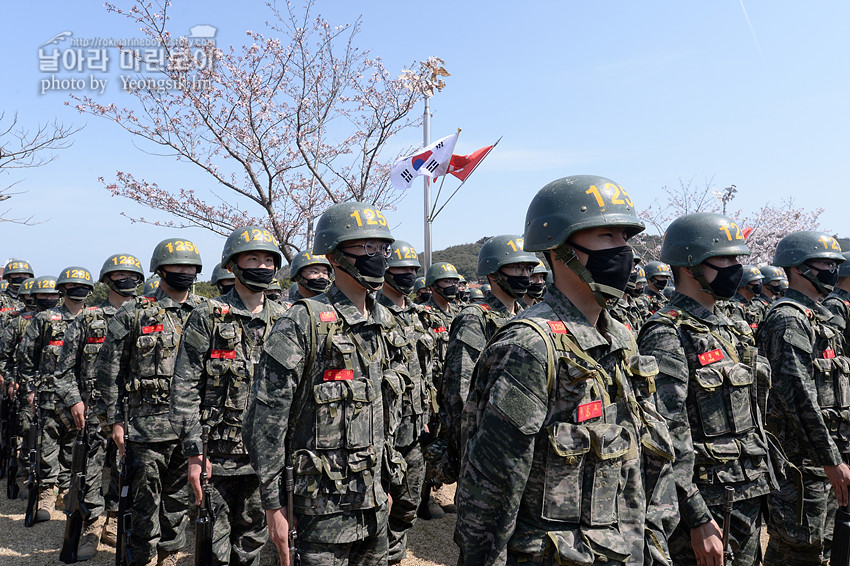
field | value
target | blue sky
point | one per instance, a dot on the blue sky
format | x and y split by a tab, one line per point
644	93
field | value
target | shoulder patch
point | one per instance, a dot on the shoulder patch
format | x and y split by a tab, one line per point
327	316
485	307
557	326
55	317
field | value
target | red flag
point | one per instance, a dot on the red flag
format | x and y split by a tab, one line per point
746	232
462	166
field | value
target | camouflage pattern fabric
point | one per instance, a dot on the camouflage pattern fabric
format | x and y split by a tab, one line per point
13	332
555	467
744	535
439	322
807	412
369	550
838	303
628	312
222	341
653	301
708	395
317	401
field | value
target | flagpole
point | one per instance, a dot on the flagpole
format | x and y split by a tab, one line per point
434	215
426	138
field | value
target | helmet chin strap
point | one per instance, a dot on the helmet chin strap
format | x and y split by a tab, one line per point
819	287
502	282
602	293
348	267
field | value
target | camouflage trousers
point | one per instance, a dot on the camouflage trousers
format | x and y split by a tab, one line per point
160	499
57	444
353	538
111	474
793	544
94	469
744	535
239	531
405	502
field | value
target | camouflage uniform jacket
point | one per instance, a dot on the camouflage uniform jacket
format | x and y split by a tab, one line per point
316	401
9	304
38	353
417	395
566	452
628	312
707	390
809	402
137	360
471	329
753	311
222	342
838	303
439	322
13	332
75	378
654	301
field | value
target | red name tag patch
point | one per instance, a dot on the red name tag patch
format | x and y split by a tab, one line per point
94	340
55	343
557	326
589	411
485	307
711	357
338	374
223	354
829	353
329	316
150	329
439	329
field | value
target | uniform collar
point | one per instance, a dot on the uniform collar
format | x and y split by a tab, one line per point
840	293
697	310
804	300
585	334
497	305
352	316
162	298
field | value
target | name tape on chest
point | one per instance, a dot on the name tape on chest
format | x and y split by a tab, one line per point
590	410
439	329
338	374
95	340
223	354
327	316
828	353
711	357
55	342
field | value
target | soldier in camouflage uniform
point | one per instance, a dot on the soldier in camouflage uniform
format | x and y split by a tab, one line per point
476	296
462	292
76	387
657	279
838	301
275	293
627	310
15	272
221	344
809	405
414	389
744	304
312	273
223	279
421	292
773	285
707	391
567	460
38	360
317	402
136	361
536	286
151	286
503	262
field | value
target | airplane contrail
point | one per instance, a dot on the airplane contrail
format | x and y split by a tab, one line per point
752	32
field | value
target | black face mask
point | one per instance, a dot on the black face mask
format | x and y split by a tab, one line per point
273	296
16	280
826	280
610	267
462	295
728	279
403	282
44	304
660	284
318	285
448	293
423	298
178	281
225	288
756	288
775	289
372	269
254	278
125	286
517	284
77	294
535	290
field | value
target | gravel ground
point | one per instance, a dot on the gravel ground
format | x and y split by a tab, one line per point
430	542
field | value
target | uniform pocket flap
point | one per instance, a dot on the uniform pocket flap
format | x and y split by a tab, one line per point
228	331
609	440
656	437
607	544
708	378
843	363
335	464
307	462
332	392
643	366
724	450
823	365
738	375
394	382
361	391
569	440
342	345
361	460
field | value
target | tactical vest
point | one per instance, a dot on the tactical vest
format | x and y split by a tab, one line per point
336	465
93	322
157	338
723	405
230	370
21	320
52	338
595	426
831	368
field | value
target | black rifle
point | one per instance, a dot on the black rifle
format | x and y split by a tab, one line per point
5	445
206	517
12	487
75	509
294	557
123	555
34	481
728	556
841	538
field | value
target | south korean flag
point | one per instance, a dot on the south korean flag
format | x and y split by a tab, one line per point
431	161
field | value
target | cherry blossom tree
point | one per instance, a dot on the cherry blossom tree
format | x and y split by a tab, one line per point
22	148
769	224
286	125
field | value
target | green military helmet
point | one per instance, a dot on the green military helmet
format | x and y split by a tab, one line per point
751	274
502	250
693	238
641	274
4	285
220	274
304	259
121	262
275	286
151	285
75	274
175	251
540	269
348	221
657	269
17	267
403	255
250	239
575	203
440	270
25	289
772	273
799	247
419	284
475	295
485	288
45	284
844	268
294	295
